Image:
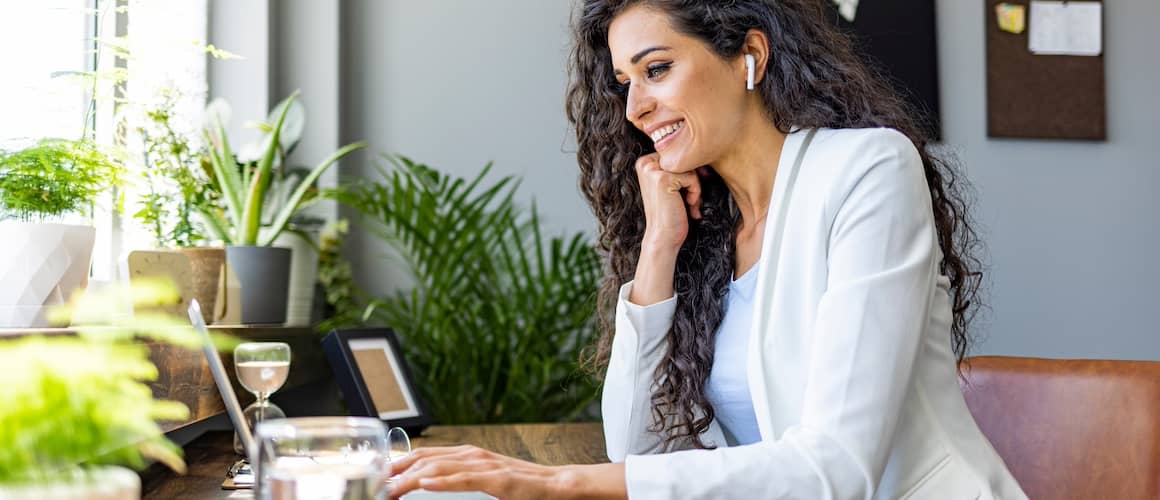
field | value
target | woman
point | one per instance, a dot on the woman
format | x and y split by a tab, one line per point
790	272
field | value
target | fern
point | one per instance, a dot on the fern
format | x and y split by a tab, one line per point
54	178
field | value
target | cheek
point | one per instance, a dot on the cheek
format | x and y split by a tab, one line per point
705	134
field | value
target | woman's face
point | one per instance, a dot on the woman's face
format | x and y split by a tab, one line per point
689	101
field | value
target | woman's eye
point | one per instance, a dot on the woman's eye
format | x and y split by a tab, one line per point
657	70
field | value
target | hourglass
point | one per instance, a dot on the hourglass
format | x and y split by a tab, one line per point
262	368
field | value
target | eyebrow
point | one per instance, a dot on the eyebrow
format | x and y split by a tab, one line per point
640	55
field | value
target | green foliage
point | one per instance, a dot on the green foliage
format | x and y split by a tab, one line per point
244	189
498	315
343	297
54	177
175	181
68	401
73	402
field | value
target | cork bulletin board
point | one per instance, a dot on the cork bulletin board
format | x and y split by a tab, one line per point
1041	96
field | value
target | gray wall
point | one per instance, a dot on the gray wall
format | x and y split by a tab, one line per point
1070	226
456	84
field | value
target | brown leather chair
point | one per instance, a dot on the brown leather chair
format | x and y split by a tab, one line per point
1082	429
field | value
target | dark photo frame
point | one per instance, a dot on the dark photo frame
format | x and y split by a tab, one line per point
374	377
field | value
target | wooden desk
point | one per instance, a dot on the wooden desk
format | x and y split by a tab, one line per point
211	455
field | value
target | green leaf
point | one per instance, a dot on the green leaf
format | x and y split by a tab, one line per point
499	313
295	199
247	233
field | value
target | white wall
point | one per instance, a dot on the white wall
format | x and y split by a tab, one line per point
1071	226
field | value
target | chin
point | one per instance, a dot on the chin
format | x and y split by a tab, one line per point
676	163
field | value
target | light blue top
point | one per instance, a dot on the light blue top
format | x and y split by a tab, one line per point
728	386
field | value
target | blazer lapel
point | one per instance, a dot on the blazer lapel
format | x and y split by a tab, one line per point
789	163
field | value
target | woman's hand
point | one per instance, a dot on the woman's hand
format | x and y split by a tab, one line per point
467	468
665	212
666	227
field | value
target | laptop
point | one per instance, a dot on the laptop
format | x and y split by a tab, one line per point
240	475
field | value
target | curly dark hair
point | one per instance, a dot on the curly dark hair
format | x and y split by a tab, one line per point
815	78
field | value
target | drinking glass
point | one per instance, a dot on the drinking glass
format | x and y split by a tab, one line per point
262	368
398	445
323	458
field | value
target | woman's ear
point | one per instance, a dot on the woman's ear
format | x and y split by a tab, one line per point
756	45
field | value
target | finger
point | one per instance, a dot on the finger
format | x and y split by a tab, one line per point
403	464
646	161
490	482
437	468
691	184
693	197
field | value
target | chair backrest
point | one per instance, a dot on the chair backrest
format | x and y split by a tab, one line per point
1071	428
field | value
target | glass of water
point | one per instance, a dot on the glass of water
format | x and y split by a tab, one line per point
323	458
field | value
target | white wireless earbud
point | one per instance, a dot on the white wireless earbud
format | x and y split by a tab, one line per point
749	68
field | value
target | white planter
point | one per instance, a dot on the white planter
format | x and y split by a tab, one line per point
303	276
103	483
41	265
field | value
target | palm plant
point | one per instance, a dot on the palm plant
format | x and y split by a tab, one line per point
244	190
498	316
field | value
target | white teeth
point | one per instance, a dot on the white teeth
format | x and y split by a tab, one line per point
663	132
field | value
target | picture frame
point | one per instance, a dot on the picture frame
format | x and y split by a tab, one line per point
374	378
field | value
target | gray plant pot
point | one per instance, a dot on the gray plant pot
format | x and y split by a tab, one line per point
264	275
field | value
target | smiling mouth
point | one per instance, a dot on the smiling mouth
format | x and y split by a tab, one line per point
660	134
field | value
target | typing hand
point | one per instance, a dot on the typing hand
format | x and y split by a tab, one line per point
468	468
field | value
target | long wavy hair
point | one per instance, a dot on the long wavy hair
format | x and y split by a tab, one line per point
815	78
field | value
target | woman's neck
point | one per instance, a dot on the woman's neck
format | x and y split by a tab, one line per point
749	169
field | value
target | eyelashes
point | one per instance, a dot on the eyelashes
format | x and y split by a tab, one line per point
655	71
652	72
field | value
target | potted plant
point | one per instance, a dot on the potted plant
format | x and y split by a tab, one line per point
303	231
485	276
175	184
45	260
249	221
75	411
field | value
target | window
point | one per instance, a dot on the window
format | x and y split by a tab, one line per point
37	40
46	44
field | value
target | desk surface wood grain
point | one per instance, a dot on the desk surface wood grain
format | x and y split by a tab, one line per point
212	454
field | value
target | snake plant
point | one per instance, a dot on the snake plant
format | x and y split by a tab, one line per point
237	220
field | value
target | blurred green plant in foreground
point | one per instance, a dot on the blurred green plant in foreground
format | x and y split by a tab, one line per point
73	402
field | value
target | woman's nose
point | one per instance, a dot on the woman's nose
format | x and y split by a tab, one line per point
639	104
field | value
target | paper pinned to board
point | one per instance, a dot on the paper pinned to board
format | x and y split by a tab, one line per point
1066	28
848	9
1012	18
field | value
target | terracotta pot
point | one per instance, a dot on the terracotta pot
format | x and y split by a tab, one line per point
206	270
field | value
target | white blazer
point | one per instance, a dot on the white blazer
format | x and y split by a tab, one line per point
850	366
